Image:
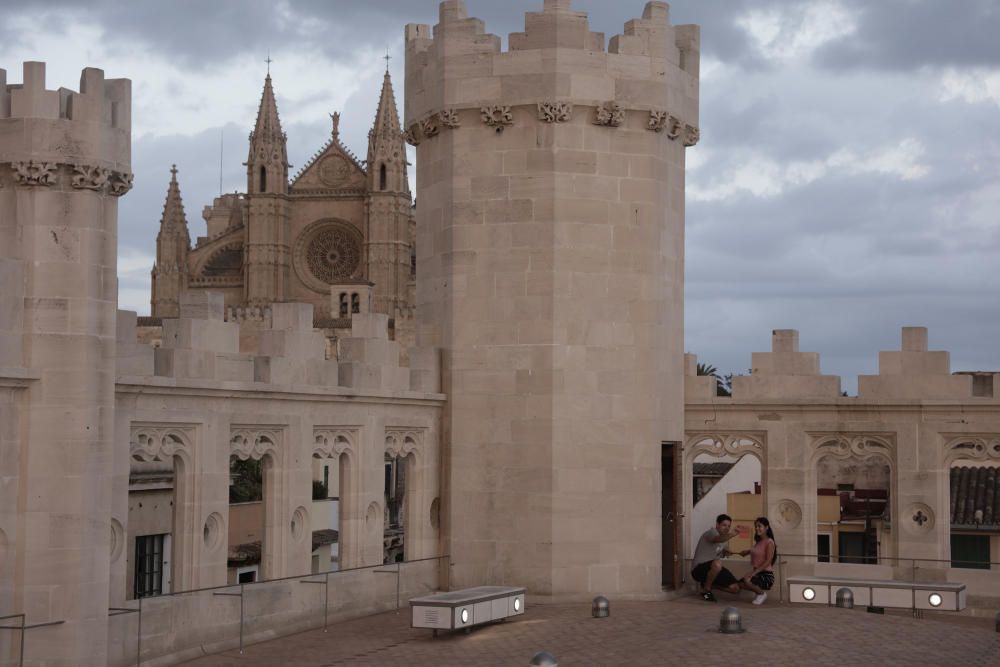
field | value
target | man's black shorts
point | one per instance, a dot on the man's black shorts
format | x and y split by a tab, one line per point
724	579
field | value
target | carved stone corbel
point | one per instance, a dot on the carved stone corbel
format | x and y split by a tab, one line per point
691	135
497	116
120	183
609	114
31	172
658	121
89	177
449	118
555	112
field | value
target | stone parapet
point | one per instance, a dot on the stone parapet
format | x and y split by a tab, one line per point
914	372
785	372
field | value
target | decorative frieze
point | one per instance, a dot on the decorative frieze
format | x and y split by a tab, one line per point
609	114
555	112
251	443
329	442
401	441
497	116
160	442
40	173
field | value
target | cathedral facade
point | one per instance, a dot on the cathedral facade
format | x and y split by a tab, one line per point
338	235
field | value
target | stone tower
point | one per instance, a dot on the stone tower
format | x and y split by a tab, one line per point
550	251
387	243
266	269
65	158
170	273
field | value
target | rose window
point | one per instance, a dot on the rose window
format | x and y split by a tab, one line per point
333	255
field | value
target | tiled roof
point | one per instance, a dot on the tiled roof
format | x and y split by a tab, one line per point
715	469
975	497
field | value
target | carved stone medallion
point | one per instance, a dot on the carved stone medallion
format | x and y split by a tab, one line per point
334	170
789	514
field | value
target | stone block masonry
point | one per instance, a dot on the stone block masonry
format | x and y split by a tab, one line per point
64	160
550	255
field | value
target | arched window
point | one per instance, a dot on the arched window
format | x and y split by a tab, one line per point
355	303
381	177
343	304
263	179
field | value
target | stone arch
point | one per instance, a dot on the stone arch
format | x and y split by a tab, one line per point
264	444
969	487
718	444
845	446
340	443
174	443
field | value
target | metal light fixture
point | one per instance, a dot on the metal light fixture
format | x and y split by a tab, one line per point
809	594
543	659
465	616
600	608
517	604
935	599
845	598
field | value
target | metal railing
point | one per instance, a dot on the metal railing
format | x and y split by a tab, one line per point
244	591
23	628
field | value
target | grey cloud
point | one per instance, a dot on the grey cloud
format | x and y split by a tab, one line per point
909	34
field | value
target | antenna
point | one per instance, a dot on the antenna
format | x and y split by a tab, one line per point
222	136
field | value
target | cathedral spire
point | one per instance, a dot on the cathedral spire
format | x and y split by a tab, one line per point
267	162
173	242
173	222
386	149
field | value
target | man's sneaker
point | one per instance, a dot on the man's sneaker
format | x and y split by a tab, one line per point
760	598
708	596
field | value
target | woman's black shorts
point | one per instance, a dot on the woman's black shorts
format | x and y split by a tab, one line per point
763	580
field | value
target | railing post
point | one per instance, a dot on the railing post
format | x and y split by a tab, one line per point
138	637
399	570
326	600
20	656
242	591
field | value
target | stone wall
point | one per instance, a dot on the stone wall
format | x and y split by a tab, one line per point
910	423
550	255
64	160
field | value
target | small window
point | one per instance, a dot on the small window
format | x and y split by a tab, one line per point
355	303
148	566
263	179
823	547
343	304
970	551
381	177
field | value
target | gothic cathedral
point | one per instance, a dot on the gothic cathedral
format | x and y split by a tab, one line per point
339	235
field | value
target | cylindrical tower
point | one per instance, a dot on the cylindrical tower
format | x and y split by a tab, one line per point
550	259
65	158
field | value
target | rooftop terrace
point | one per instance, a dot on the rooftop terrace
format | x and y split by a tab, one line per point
644	633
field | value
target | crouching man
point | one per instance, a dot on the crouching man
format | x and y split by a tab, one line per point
708	555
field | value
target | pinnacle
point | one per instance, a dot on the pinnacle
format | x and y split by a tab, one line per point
173	208
268	124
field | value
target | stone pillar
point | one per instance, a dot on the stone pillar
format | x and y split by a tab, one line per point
64	159
550	251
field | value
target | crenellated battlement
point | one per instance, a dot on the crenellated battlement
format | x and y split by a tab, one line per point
76	139
651	68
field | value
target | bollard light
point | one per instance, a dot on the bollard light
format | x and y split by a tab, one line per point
601	608
543	659
731	622
845	598
808	593
935	600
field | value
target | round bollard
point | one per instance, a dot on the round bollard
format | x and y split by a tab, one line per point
543	659
601	608
731	623
845	598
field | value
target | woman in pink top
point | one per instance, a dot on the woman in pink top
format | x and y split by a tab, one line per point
763	554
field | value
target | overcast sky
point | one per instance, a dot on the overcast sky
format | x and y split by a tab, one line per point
847	182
